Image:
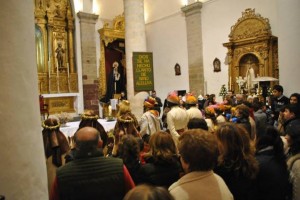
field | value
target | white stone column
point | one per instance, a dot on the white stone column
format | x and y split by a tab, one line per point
89	63
23	169
135	41
195	46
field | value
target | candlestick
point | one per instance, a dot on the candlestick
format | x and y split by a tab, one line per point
109	110
68	76
57	78
68	69
49	71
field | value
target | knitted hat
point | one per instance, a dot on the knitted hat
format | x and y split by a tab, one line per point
173	97
190	99
210	110
149	102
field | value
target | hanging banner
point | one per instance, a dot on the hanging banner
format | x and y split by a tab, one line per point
143	71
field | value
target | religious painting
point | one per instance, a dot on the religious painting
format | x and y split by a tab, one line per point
177	70
217	65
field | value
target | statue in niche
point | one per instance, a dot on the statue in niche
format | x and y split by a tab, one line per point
250	76
60	55
116	82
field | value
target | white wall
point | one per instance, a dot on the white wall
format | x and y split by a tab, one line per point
166	38
217	18
289	45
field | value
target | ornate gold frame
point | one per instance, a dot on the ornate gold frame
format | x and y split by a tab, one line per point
252	35
107	35
55	20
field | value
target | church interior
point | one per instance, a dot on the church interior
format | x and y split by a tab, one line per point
59	56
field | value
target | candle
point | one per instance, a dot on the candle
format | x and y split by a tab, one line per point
68	70
57	78
49	71
109	110
68	76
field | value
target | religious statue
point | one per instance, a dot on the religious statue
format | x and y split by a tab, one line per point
116	75
60	55
250	76
240	81
116	82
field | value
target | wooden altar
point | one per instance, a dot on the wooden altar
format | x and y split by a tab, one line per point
57	73
251	47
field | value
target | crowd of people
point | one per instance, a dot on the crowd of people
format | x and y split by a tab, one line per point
242	148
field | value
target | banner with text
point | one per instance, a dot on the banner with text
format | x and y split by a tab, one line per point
143	71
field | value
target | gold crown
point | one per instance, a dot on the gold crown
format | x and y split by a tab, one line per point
84	116
50	127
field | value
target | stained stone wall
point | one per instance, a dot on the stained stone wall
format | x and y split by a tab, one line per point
89	63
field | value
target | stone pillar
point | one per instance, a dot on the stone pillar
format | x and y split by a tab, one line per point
135	41
23	172
195	46
89	63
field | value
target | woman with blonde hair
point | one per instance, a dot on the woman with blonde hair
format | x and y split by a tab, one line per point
236	162
162	166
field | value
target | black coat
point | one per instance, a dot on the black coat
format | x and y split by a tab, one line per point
273	177
160	173
241	187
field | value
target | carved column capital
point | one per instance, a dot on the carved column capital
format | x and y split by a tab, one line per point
87	17
192	8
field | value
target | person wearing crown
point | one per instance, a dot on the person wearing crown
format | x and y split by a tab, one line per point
192	108
150	121
177	118
56	145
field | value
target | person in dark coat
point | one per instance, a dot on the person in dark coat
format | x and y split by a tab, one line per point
278	101
273	176
162	166
90	175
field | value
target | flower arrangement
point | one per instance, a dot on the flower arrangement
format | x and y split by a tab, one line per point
64	117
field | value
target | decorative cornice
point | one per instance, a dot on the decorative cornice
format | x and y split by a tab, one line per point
192	8
250	25
87	17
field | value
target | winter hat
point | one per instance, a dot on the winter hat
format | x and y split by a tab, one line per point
149	102
190	99
173	97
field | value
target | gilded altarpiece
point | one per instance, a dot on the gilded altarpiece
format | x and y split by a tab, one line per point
112	48
54	33
109	34
251	45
